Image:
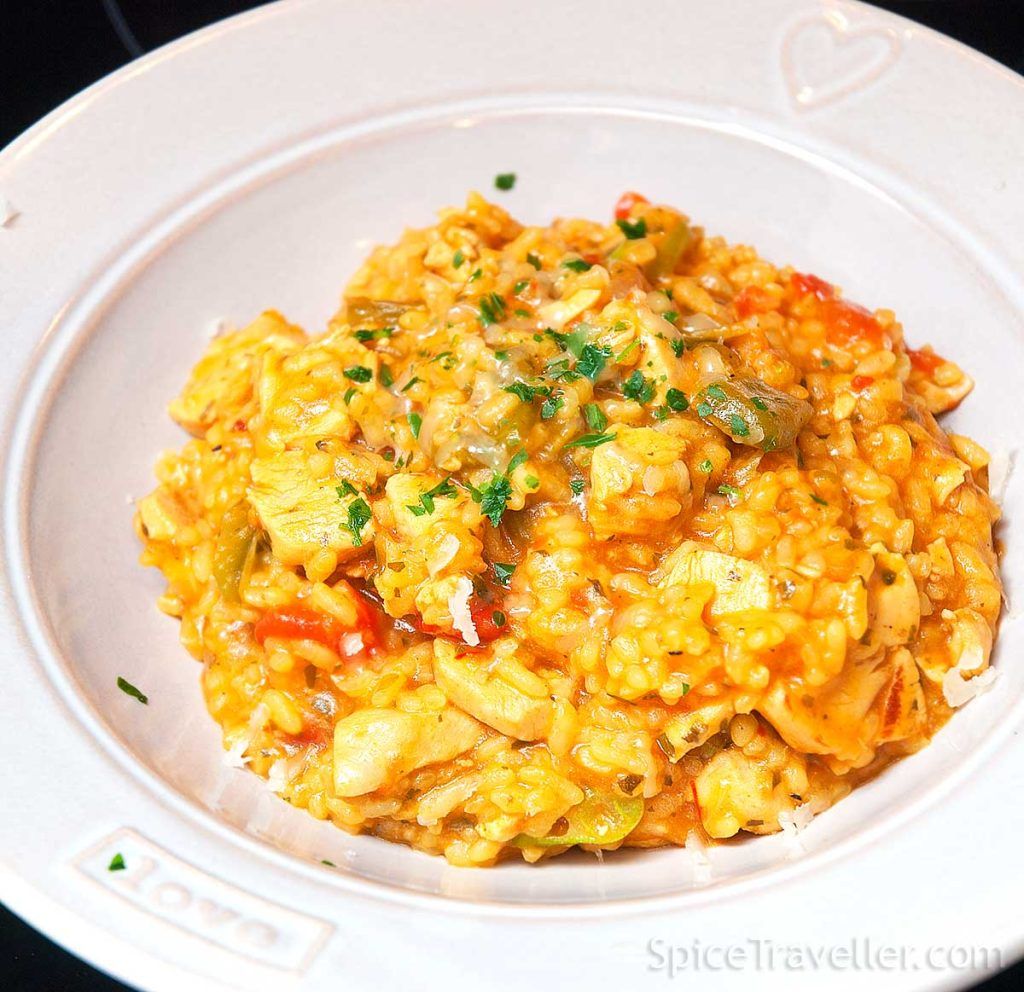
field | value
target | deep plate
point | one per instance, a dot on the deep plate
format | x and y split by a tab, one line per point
269	196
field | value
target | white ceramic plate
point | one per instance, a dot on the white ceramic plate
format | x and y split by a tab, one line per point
252	165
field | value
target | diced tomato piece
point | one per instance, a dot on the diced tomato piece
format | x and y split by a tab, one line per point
751	300
807	285
299	622
486	623
626	204
860	382
925	361
847	323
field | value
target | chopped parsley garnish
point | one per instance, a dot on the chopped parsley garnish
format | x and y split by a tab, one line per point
638	388
706	467
628	350
532	482
476	274
534	259
492	309
349	393
576	265
387	380
501	356
589	441
494	498
736	422
519	458
520	312
503	573
358	373
661	413
415	423
458	258
559	369
505	181
426	503
345	489
678	347
499	618
633	229
129	690
576	485
817	499
551	406
525	391
520	286
412	382
595	418
759	403
670	316
726	490
358	517
592	361
330	864
367	335
704	410
676	400
117	863
716	392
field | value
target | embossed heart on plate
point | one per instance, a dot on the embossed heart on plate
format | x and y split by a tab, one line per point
825	58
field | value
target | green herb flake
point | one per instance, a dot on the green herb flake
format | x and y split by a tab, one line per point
628	350
358	517
716	392
817	499
678	347
551	406
523	390
492	309
387	380
520	286
503	573
412	382
501	356
595	418
532	482
129	690
521	312
330	864
477	273
676	400
726	490
706	467
576	265
577	486
737	424
633	229
638	388
458	258
117	863
592	361
519	458
504	181
349	393
534	259
358	373
415	423
499	618
660	413
704	410
589	441
494	498
345	489
671	316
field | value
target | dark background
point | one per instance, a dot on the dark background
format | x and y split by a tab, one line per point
50	49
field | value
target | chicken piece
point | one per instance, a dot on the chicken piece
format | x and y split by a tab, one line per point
496	689
162	515
970	643
687	731
739	584
223	380
304	395
428	540
894	604
737	791
305	515
637	480
375	748
901	704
